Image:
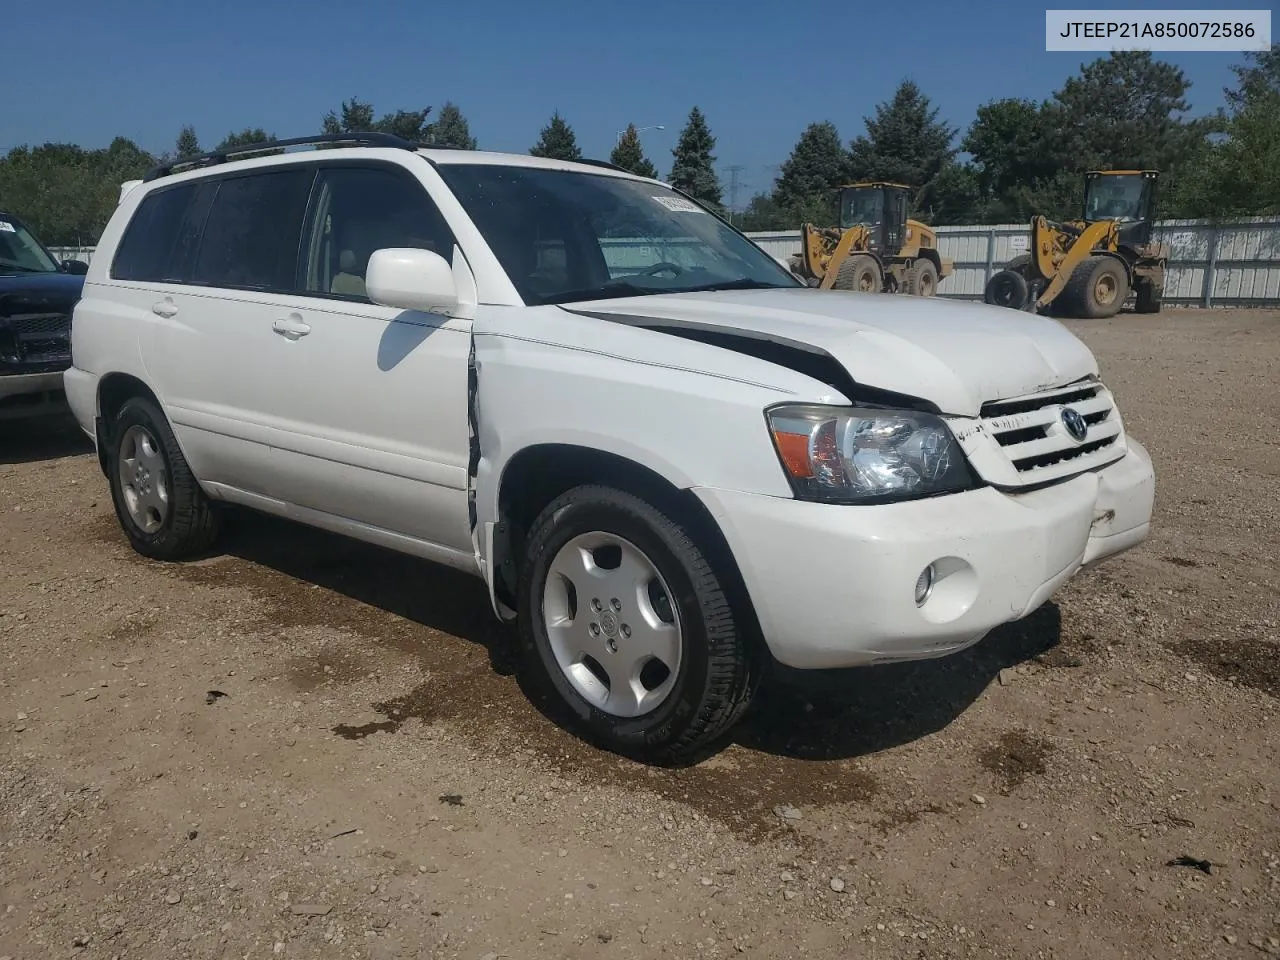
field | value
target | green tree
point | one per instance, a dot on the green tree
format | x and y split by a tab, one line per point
905	143
409	125
629	155
1239	176
764	213
809	181
1256	77
188	145
1012	145
247	137
357	116
693	169
353	116
958	196
450	129
1125	111
67	193
557	141
1058	197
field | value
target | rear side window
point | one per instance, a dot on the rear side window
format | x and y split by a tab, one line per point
149	249
251	235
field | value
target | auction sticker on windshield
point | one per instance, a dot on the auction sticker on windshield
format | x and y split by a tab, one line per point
7	227
679	204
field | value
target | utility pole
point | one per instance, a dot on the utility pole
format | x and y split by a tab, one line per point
734	170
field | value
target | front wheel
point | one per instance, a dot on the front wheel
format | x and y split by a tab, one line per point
860	272
624	621
1096	289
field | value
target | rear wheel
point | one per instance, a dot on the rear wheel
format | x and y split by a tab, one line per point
922	279
1097	289
860	272
1008	288
161	508
625	622
1150	297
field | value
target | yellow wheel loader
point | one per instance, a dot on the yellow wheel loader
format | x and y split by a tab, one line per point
1087	268
876	249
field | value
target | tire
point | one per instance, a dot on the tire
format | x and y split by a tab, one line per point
1097	289
1150	298
679	713
161	508
922	279
860	272
1008	288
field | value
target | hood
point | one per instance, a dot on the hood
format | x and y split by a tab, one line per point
38	292
956	354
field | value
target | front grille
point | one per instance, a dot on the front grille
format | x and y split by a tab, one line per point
37	325
35	337
1032	436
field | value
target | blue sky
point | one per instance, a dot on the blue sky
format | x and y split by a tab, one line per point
86	70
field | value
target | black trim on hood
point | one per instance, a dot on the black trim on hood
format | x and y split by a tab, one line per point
803	358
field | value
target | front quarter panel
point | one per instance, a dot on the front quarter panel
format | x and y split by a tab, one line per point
691	412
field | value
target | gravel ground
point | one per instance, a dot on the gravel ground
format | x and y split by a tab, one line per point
304	747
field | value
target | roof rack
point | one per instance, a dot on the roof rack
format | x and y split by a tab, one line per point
363	139
602	163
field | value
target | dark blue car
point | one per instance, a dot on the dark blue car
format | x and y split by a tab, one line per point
37	293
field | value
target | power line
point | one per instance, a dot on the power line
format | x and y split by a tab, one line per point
734	170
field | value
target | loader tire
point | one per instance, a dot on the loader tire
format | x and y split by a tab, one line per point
922	279
860	273
1150	297
1097	289
1008	288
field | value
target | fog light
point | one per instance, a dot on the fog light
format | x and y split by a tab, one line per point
924	585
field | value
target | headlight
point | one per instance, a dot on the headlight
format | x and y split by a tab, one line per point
852	455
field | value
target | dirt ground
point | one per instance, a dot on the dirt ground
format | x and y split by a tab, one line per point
309	748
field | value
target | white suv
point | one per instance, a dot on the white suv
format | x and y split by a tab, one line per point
668	459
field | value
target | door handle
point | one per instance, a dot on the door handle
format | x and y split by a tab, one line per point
165	308
291	327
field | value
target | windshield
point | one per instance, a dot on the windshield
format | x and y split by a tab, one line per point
1119	197
563	236
20	251
860	207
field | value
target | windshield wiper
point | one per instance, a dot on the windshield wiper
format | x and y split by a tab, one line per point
5	265
746	283
617	288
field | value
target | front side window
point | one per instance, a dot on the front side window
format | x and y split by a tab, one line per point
360	209
861	207
563	236
21	252
1116	197
250	238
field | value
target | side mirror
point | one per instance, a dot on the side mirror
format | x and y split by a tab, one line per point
78	267
410	279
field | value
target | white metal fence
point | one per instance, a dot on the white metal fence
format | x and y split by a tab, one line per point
1224	264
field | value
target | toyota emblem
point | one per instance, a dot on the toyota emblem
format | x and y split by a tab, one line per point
1075	424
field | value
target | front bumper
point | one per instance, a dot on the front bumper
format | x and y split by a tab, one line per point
30	394
834	586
